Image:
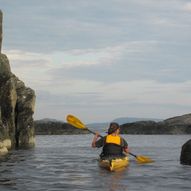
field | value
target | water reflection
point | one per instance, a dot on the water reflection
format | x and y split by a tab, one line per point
114	181
10	166
6	176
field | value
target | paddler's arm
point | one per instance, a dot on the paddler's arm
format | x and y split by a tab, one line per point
125	146
95	138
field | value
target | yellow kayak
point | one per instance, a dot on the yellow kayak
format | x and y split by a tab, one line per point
114	164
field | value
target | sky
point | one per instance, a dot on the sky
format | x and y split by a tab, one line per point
101	60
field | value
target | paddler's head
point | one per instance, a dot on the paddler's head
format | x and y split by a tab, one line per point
113	128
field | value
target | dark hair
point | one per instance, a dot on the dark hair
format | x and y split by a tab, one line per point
113	127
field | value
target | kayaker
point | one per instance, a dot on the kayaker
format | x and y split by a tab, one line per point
113	144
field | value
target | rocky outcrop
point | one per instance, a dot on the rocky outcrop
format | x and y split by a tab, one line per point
185	157
54	127
16	109
179	120
140	127
175	125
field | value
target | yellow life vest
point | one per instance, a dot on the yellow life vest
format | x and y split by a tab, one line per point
113	139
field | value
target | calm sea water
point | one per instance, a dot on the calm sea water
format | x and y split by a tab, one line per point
69	163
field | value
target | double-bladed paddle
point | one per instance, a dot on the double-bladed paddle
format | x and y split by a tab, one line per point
74	121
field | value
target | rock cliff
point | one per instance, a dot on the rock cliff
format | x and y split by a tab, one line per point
16	107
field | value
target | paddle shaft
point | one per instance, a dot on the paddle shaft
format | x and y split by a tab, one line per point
133	154
91	132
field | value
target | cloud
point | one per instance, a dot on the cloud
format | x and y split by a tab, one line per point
139	98
187	7
160	61
143	92
26	59
32	68
127	61
146	92
37	69
102	56
86	57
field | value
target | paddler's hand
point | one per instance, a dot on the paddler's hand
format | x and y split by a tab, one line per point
97	134
126	150
95	139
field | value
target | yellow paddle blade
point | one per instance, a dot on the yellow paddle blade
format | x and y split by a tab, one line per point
72	120
143	159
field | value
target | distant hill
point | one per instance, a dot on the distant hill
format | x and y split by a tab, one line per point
102	127
123	120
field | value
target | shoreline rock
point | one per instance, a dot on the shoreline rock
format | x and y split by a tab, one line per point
185	157
171	126
49	127
5	145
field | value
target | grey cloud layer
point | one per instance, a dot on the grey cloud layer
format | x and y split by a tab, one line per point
45	25
155	61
